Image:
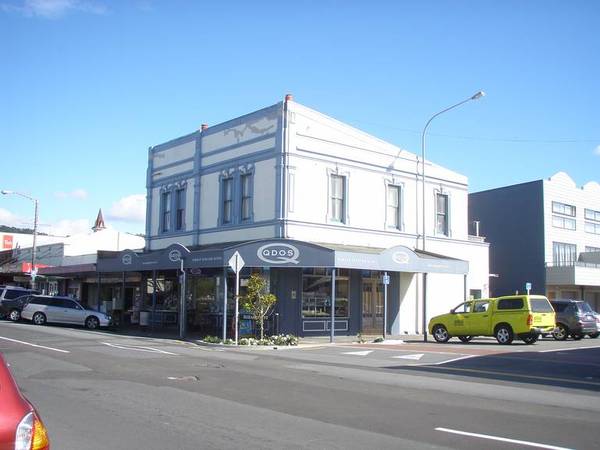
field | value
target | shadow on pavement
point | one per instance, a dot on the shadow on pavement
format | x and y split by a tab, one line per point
573	369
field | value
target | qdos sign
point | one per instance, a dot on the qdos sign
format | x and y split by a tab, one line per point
278	253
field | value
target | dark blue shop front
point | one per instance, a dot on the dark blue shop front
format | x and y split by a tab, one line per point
302	276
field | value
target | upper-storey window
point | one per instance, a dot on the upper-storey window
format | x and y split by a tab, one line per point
441	214
564	219
246	196
393	202
563	208
337	198
165	205
180	209
227	195
592	221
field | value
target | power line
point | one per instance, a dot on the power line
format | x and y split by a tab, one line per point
487	139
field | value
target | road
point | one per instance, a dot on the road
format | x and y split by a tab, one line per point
99	390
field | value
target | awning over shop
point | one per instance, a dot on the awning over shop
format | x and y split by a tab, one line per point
285	253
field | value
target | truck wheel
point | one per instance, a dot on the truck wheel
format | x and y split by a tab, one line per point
440	334
504	334
561	332
14	315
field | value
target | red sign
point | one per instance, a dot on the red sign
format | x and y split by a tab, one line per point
26	267
7	241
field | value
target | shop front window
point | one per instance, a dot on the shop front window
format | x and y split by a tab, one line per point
316	293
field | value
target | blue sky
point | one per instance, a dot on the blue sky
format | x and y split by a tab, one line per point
88	85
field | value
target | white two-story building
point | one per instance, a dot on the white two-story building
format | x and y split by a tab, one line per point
307	201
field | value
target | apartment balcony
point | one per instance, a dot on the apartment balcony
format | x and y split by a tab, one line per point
573	274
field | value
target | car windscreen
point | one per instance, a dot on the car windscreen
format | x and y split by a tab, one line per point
585	308
540	305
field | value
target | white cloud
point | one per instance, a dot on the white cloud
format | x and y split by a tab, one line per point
67	227
10	219
597	151
77	194
129	209
54	9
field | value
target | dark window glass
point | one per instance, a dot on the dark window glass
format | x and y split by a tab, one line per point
559	307
39	301
584	308
180	209
166	209
246	181
510	303
540	305
227	199
10	294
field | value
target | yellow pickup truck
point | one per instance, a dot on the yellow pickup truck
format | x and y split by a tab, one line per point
524	316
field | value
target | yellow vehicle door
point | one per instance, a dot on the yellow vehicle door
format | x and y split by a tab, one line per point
478	322
458	320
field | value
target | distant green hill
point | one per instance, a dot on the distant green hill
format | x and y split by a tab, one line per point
7	229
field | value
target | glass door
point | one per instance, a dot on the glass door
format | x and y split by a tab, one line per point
372	306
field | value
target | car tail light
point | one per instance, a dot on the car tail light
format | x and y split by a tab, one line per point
31	434
530	319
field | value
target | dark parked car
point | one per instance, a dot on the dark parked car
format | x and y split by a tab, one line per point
11	293
11	309
575	318
20	424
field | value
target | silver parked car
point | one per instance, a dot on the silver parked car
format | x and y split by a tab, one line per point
46	308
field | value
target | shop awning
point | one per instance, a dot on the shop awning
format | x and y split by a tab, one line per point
285	253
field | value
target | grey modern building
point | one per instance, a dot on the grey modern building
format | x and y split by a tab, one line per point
545	232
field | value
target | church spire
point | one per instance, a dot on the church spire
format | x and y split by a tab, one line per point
99	225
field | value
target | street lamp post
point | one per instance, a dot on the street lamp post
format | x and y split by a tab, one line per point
35	224
476	96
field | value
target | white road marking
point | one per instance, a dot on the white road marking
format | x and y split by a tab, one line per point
501	439
567	349
363	353
140	349
445	362
35	345
415	357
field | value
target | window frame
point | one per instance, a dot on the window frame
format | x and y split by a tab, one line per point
446	214
165	211
561	208
247	196
180	204
560	249
225	181
344	177
398	215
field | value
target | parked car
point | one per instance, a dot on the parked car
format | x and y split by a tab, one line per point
20	423
41	309
11	309
11	293
597	333
574	318
524	316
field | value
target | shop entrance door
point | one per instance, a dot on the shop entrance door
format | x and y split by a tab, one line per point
372	306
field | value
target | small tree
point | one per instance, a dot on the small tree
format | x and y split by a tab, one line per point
258	302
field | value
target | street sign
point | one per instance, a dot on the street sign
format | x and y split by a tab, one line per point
236	262
528	287
385	279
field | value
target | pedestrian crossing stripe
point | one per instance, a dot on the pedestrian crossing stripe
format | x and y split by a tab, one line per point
414	357
361	353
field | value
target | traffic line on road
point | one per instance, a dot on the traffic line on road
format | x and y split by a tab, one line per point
35	345
568	349
361	353
502	439
415	357
139	348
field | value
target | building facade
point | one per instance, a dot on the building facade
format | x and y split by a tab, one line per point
309	202
546	232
